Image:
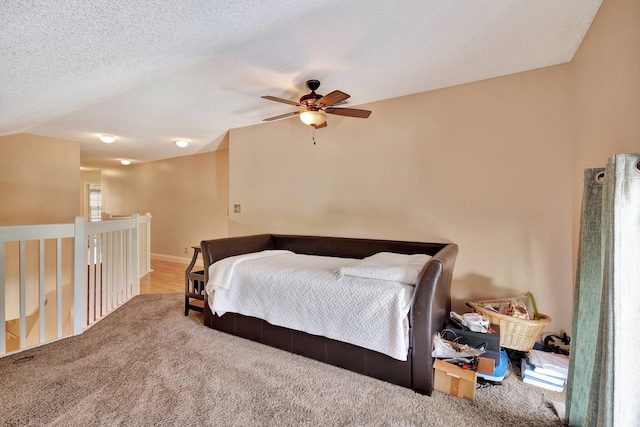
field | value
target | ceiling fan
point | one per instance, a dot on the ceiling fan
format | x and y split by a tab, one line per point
316	107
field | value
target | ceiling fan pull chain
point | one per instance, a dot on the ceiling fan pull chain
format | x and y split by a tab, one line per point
313	137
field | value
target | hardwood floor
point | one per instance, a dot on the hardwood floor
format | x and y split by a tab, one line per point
166	278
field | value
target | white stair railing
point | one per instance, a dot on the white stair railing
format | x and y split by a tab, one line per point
22	234
144	237
104	268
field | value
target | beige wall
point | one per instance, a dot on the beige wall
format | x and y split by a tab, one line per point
39	180
495	166
606	85
187	197
485	165
39	184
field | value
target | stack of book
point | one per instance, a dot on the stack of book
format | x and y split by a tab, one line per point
546	370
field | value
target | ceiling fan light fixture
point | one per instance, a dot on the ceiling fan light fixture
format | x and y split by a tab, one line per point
313	117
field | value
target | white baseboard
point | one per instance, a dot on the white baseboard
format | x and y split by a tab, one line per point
171	258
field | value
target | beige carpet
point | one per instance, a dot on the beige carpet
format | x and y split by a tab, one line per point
147	364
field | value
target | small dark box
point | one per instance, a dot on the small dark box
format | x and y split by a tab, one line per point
474	339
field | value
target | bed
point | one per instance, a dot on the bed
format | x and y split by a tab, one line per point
428	306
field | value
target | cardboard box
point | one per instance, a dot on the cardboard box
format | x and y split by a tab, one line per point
493	355
454	380
486	365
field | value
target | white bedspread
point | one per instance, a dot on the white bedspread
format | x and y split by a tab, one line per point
222	271
302	292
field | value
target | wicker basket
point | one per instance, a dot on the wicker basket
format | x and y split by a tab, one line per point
517	334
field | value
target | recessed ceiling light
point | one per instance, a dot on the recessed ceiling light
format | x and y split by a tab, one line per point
107	139
182	143
125	162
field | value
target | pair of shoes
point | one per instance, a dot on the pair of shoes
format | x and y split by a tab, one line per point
551	346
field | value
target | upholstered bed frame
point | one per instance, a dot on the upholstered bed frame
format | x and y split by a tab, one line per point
429	313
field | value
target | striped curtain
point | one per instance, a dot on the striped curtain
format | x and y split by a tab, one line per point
604	382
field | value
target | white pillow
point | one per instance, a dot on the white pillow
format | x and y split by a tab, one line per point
387	266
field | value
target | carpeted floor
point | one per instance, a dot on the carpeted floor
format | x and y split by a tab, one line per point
147	364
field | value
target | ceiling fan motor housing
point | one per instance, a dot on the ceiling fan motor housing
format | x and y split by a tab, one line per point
309	100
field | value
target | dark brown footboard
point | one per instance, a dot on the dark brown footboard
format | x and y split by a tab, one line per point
429	313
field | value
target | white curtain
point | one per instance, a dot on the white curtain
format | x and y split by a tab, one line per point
604	381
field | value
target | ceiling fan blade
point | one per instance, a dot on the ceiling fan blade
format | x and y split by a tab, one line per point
286	101
331	99
323	125
349	112
281	116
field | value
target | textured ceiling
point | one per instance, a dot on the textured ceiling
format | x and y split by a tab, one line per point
152	71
